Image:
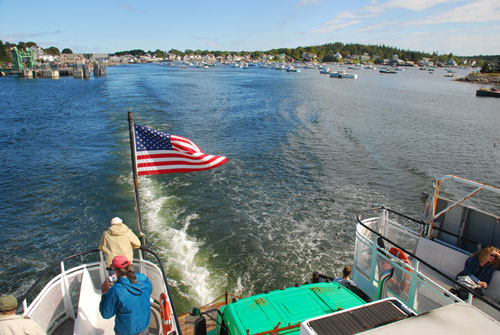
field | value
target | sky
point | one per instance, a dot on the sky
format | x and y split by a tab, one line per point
460	27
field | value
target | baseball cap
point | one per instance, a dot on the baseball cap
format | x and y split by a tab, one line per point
120	261
7	303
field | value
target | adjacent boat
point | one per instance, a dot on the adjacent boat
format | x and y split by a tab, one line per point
427	253
488	92
413	262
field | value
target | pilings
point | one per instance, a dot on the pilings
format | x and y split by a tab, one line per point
83	72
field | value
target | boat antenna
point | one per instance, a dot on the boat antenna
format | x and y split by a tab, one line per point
136	181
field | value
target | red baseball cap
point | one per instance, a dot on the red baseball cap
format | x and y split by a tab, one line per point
120	261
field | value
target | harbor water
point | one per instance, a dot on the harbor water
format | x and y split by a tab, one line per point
306	154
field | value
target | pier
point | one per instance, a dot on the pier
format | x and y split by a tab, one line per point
24	67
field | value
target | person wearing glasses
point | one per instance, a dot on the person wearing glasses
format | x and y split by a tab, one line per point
481	265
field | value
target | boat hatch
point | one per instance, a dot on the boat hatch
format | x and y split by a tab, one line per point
283	310
357	319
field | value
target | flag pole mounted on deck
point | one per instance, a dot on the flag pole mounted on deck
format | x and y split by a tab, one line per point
136	182
155	152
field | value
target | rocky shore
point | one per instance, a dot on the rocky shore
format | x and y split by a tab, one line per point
482	78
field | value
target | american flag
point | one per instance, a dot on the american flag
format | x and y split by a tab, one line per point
159	153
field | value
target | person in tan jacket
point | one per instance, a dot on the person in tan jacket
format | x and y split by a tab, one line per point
13	324
118	239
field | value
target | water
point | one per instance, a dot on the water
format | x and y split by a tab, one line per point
306	154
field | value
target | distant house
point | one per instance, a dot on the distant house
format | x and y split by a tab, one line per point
281	56
338	55
171	56
98	57
47	58
307	56
37	51
72	58
451	62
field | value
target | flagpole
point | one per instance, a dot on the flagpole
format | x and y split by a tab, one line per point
136	182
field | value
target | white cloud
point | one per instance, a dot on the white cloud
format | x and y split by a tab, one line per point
475	12
414	5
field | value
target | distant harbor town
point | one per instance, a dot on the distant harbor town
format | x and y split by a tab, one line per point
33	62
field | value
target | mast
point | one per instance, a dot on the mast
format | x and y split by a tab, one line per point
136	182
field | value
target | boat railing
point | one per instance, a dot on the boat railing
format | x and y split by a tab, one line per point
466	189
375	237
54	297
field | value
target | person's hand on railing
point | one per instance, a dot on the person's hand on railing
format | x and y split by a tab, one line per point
482	284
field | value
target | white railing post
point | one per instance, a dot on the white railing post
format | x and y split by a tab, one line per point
68	305
103	273
373	267
412	293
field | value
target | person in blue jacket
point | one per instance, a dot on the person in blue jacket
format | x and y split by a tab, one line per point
481	265
127	298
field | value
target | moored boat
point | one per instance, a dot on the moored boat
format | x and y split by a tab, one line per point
385	70
343	74
292	69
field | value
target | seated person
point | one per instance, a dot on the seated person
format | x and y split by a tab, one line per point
480	266
346	277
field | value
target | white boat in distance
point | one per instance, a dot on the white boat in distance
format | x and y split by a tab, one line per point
292	69
343	74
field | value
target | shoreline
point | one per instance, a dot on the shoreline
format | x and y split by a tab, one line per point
481	78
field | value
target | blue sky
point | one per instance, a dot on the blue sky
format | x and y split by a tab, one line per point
461	27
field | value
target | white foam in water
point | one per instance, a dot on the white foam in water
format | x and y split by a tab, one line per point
176	246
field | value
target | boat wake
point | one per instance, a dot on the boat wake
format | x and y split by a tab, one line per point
178	249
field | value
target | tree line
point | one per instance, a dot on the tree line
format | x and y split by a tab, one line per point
5	50
328	53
